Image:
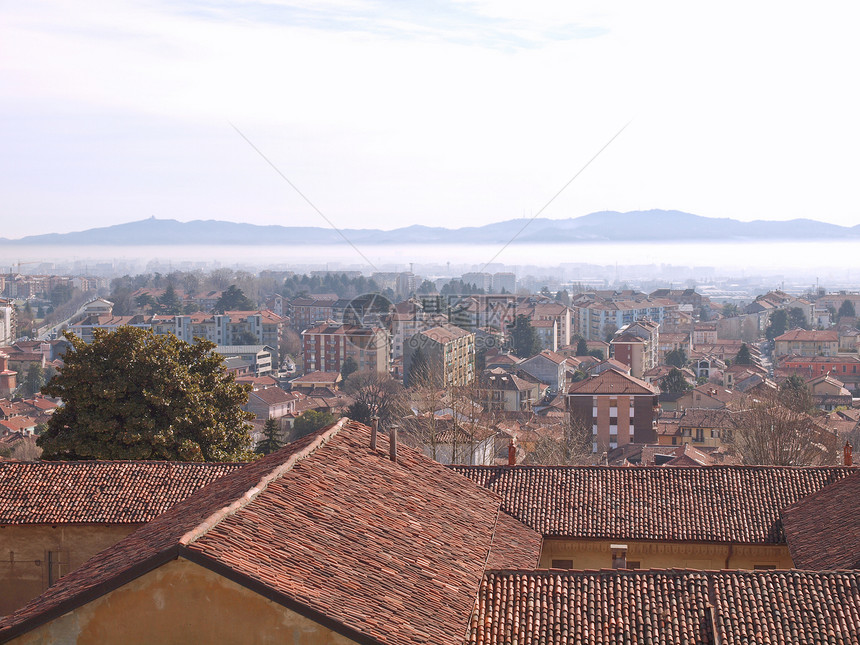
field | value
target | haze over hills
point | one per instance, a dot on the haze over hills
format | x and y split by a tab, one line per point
604	226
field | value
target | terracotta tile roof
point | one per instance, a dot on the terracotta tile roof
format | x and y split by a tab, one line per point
317	377
706	608
707	418
611	381
787	606
815	335
272	395
690	456
88	492
590	607
444	333
823	530
393	552
17	424
543	323
712	503
257	382
41	403
498	379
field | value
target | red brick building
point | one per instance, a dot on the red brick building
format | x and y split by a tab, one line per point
621	409
327	346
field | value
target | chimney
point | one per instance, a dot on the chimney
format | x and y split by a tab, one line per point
392	443
374	428
849	460
512	454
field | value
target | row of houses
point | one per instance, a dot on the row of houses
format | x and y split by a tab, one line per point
351	537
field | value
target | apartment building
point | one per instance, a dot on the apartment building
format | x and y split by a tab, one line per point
638	346
595	319
448	352
328	345
620	408
803	342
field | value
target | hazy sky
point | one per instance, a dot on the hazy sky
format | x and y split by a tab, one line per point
451	113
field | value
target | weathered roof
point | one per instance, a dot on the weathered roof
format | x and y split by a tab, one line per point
706	418
317	377
382	550
611	381
710	504
807	335
89	492
823	530
444	333
707	608
273	395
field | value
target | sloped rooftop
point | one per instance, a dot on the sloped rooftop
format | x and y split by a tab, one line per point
738	504
823	530
89	492
705	608
330	529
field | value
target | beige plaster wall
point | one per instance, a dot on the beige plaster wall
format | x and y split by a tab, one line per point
24	568
181	603
596	554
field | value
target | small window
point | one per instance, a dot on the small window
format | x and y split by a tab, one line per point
633	565
764	567
562	564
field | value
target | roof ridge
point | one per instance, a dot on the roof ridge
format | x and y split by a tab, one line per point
251	494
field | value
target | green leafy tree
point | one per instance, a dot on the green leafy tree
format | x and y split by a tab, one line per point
524	338
581	347
675	382
145	301
676	357
777	325
60	294
796	319
426	288
744	357
133	395
170	302
311	421
730	309
563	297
846	310
597	353
271	438
348	367
34	380
233	299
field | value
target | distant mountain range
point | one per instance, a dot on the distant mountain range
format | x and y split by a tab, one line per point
604	226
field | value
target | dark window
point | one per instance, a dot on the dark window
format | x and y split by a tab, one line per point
764	567
613	421
633	565
562	564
